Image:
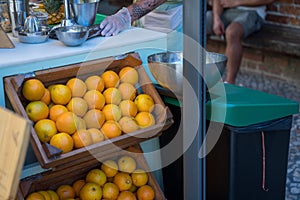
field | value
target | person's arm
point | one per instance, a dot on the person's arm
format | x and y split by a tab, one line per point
218	25
235	3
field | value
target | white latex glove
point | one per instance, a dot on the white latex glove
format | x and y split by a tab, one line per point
115	23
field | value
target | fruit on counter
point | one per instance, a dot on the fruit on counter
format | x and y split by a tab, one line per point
62	141
126	164
55	10
129	75
145	193
33	90
144	119
37	110
45	129
65	192
91	191
144	102
111	79
77	86
60	94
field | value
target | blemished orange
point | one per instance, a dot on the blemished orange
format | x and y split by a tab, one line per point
96	134
112	96
94	118
110	191
126	195
110	168
110	78
46	98
65	191
37	110
45	129
126	164
90	191
53	195
95	82
77	185
78	106
67	122
111	129
56	110
139	177
33	90
145	192
35	196
128	91
145	119
112	112
96	176
45	194
82	138
123	181
60	94
62	141
77	86
144	103
129	75
128	108
94	99
128	124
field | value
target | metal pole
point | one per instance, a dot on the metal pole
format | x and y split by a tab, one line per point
194	32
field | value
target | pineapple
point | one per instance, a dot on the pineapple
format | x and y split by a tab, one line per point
55	10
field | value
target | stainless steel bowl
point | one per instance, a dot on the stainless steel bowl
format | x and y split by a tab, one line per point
166	68
72	35
33	38
84	11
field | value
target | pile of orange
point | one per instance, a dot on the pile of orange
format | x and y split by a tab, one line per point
83	112
115	179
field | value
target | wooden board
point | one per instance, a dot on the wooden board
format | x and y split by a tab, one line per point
14	139
162	114
5	42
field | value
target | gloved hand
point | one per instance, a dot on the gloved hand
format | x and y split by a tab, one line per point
115	23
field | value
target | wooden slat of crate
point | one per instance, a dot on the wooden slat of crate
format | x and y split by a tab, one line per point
14	139
62	74
53	179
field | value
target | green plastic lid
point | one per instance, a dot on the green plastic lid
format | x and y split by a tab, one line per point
243	106
99	18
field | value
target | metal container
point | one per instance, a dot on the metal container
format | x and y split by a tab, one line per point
72	35
166	68
84	11
40	36
18	10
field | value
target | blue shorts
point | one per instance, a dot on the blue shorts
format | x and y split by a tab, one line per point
249	19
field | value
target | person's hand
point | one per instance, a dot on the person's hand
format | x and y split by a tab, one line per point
218	27
113	24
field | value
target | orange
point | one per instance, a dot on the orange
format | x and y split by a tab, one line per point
94	118
77	86
65	192
112	95
50	87
133	188
110	78
126	195
35	196
112	112
123	181
45	129
126	164
56	110
91	191
46	98
60	94
127	90
128	124
110	191
78	106
81	123
45	194
128	108
67	122
144	119
96	135
95	82
145	192
96	176
111	129
82	138
94	99
139	177
37	110
62	141
77	185
53	195
144	103
110	168
33	90
129	75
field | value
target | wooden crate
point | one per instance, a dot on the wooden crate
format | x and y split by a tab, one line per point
45	153
53	179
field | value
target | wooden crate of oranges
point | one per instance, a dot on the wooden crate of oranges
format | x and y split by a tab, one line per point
89	109
121	175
